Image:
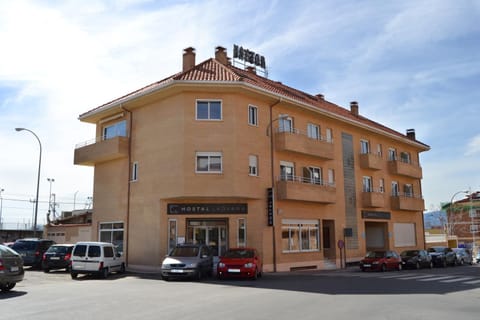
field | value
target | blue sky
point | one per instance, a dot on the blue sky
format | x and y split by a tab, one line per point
409	64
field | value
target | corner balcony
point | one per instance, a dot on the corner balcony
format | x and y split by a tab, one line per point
95	151
303	189
373	199
371	161
407	169
296	141
407	203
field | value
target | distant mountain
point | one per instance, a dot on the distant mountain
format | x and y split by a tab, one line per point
434	219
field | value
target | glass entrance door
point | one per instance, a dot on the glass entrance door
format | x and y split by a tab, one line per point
210	232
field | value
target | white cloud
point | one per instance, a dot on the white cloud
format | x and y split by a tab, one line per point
473	146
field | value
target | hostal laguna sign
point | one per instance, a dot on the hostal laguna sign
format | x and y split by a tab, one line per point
248	56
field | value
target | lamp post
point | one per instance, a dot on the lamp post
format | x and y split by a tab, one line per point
38	179
50	180
1	206
272	162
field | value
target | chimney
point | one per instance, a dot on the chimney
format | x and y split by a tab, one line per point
320	96
188	58
354	108
252	69
411	134
221	55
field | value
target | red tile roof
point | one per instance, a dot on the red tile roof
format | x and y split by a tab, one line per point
212	70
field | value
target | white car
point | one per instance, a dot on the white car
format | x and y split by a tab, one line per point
96	258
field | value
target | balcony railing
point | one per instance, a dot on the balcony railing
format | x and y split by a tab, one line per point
305	189
296	141
407	202
404	168
100	150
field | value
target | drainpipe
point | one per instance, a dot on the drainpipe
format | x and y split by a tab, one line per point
130	120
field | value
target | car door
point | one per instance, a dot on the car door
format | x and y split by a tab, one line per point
205	259
79	257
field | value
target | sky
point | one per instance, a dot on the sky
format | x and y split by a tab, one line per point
409	64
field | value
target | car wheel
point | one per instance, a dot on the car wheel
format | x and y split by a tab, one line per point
384	267
417	265
444	263
105	273
7	287
122	268
46	270
461	262
255	275
74	275
399	268
431	265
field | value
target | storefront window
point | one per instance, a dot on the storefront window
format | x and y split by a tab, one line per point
242	233
172	234
112	232
300	236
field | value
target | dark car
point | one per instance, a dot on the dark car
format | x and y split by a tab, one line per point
32	250
442	256
240	263
11	268
381	260
57	257
416	259
188	261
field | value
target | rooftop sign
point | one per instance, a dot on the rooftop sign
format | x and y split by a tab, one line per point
248	56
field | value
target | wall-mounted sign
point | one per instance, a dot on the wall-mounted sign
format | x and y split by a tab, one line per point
205	208
270	206
248	56
375	215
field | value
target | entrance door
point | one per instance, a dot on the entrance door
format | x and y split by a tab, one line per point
209	232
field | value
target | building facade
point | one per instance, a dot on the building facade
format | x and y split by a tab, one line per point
221	155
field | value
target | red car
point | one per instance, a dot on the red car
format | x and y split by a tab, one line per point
381	260
240	263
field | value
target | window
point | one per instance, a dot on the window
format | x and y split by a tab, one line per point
118	129
209	110
312	175
300	235
242	233
313	131
392	154
395	190
135	171
285	125
209	162
287	170
253	165
404	234
253	115
367	184
329	135
331	177
364	146
379	150
382	185
405	157
408	190
108	252
172	234
112	232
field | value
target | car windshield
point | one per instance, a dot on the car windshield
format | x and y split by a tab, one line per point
57	249
6	252
435	249
375	254
24	245
239	254
184	252
409	253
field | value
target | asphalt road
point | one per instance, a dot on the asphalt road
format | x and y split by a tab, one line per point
443	293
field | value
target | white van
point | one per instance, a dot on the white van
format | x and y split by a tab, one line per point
96	258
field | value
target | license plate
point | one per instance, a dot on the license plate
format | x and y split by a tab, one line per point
177	271
55	258
14	269
367	265
234	270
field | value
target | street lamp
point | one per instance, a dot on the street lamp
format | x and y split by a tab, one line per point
272	162
38	178
50	180
1	206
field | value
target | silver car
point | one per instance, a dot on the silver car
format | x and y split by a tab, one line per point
188	261
464	256
11	268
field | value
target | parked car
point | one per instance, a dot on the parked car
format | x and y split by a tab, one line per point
240	263
57	257
188	261
31	250
442	256
100	258
11	268
416	259
463	256
381	260
477	258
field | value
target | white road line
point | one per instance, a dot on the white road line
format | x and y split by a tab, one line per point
456	279
435	278
416	277
472	282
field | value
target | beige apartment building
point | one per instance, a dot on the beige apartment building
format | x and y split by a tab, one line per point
225	156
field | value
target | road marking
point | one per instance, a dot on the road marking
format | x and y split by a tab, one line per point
416	277
435	278
472	282
456	279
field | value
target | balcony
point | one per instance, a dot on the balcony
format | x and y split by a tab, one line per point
371	161
92	152
298	142
407	169
373	199
302	189
401	202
